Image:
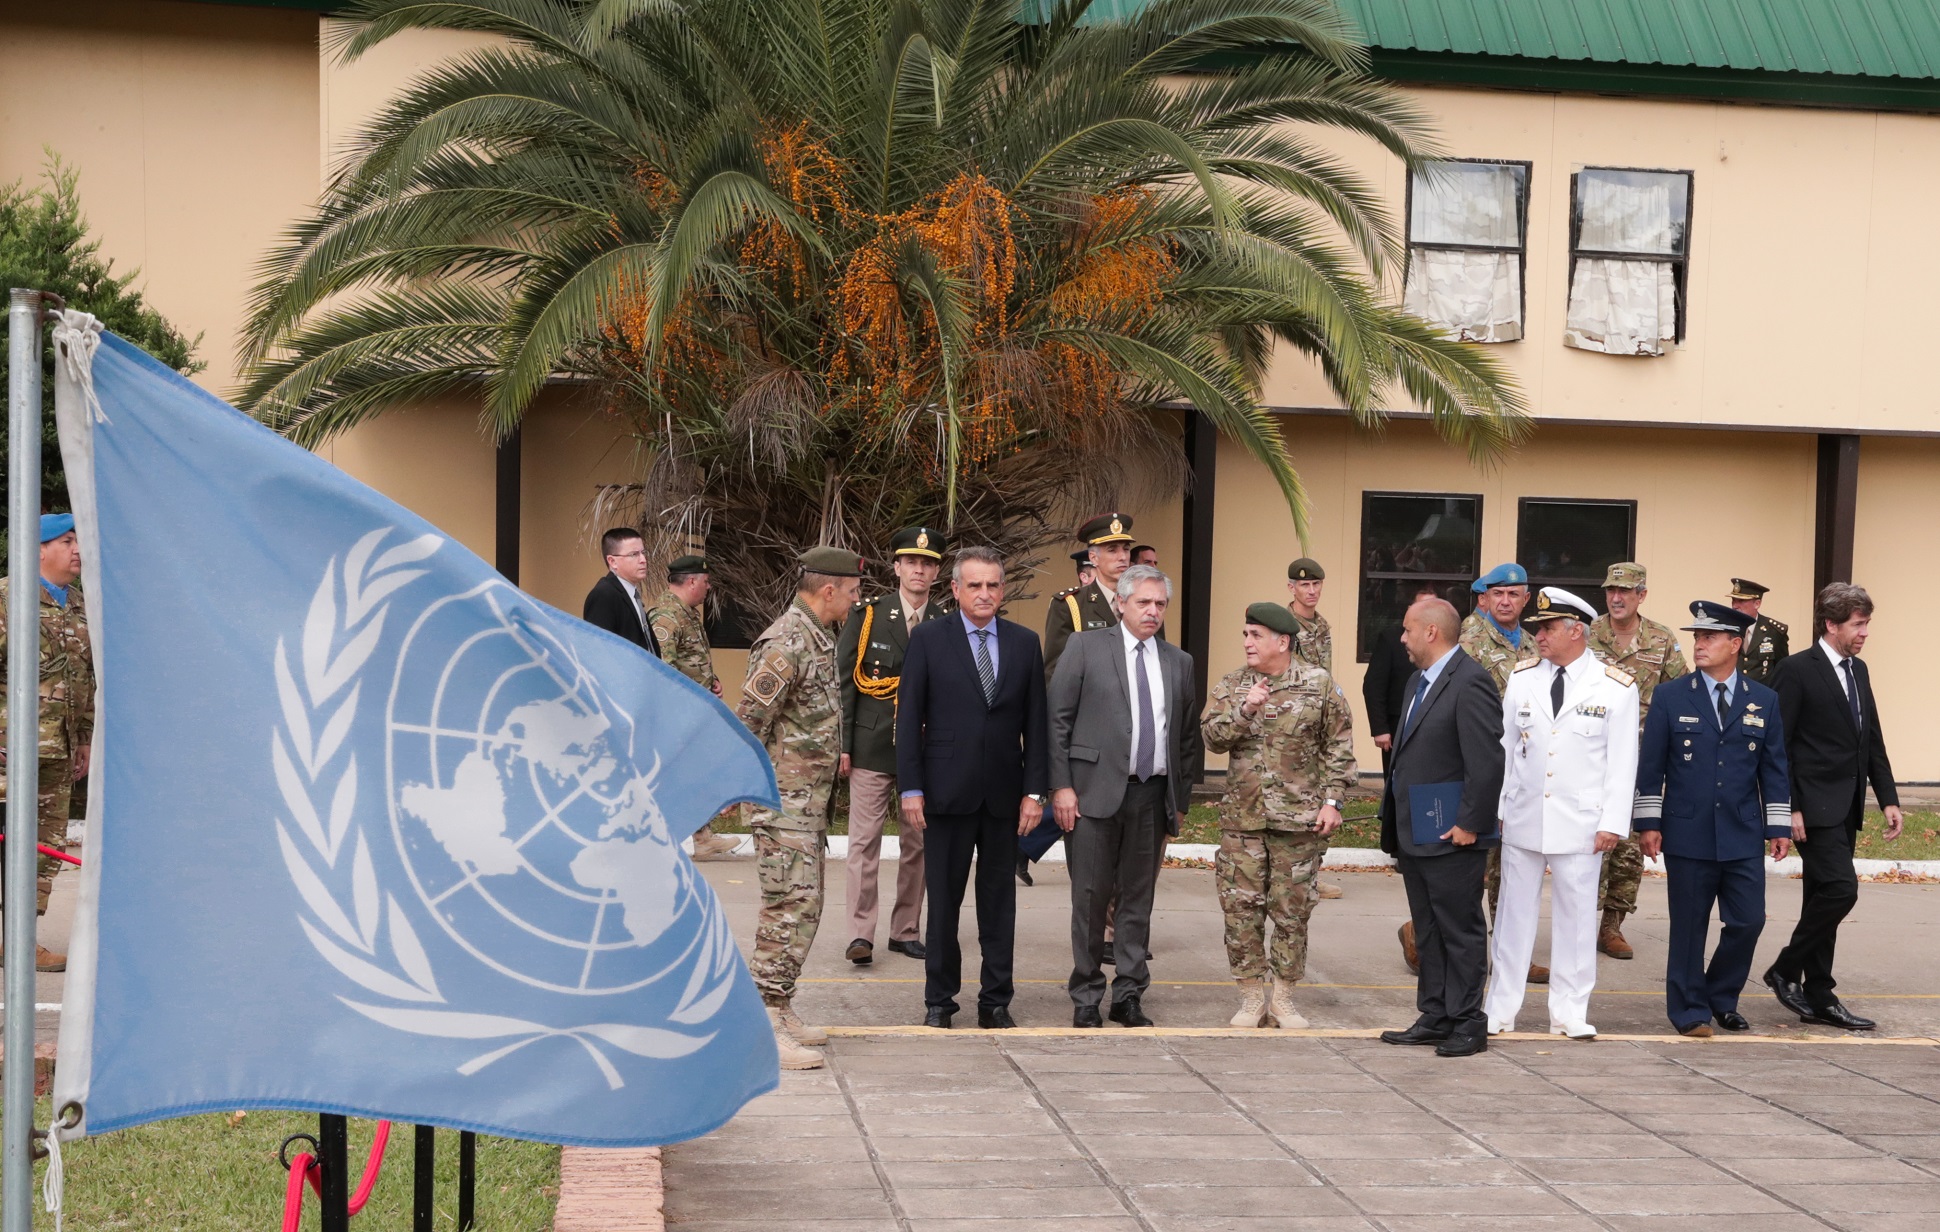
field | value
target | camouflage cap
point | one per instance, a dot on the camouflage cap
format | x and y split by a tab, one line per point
1107	528
1555	603
917	541
832	562
1744	589
689	563
1272	616
1306	569
1624	575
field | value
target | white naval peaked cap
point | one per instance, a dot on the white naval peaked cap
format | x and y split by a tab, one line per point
1555	603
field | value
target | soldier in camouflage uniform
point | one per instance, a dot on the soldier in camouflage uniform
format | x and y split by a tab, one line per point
675	619
1093	604
792	702
1768	642
1648	651
1288	732
66	704
1314	644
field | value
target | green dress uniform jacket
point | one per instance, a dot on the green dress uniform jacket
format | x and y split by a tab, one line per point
1766	646
870	674
1081	607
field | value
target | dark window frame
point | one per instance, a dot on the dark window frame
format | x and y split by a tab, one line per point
1409	243
1363	651
1525	554
1680	264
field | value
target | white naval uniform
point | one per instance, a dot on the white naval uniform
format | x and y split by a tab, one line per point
1569	775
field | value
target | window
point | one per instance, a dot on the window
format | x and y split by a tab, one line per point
1571	543
1467	221
1408	538
1630	235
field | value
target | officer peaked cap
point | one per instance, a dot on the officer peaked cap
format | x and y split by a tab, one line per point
1107	528
917	541
1555	603
1742	588
1709	617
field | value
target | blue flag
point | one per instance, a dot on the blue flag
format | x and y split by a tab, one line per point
372	831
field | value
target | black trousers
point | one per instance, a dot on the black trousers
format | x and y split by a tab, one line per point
1831	890
1451	936
1693	992
1116	860
950	843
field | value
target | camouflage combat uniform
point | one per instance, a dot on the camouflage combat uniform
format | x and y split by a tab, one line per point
1765	647
1484	642
683	640
66	716
1284	763
1314	644
1651	660
793	704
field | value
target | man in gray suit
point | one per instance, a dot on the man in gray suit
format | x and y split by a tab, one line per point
1124	748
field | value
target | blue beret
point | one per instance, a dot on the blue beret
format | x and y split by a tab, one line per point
1511	574
1477	586
1709	617
54	525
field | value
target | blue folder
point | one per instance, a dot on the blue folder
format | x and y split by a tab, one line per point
1432	809
1032	846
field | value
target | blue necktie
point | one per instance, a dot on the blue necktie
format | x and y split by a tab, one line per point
1414	706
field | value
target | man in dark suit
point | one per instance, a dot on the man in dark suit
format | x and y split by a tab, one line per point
1712	787
1384	689
1124	746
614	602
1834	742
1447	756
971	763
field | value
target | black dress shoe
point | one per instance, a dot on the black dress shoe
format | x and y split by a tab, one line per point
1466	1044
1789	994
861	952
1129	1013
912	948
1086	1016
1024	872
937	1018
1837	1015
1416	1034
1732	1020
998	1019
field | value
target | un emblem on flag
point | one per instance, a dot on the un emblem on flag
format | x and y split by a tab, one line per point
520	809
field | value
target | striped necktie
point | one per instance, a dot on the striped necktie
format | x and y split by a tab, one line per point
985	672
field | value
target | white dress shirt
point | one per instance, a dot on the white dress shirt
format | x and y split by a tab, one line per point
1838	669
633	596
1152	673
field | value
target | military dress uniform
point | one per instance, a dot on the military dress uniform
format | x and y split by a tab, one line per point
66	717
1713	780
870	656
1088	606
792	702
1767	644
1652	658
1285	762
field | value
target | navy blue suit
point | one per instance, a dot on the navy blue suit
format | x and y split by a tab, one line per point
1716	794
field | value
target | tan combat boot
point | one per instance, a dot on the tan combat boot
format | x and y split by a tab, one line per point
1327	889
1252	1005
711	846
47	960
793	1055
813	1037
1281	1008
1609	938
1409	954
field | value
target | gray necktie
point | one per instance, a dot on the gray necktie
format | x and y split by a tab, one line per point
1147	738
985	672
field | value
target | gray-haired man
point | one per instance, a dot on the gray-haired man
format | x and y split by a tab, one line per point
1125	745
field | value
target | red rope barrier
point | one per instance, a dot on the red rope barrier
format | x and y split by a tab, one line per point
49	851
306	1167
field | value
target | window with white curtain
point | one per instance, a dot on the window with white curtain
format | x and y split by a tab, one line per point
1629	248
1467	222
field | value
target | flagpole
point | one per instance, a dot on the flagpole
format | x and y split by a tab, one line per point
23	772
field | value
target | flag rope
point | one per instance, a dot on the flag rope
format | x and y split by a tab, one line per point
306	1167
49	851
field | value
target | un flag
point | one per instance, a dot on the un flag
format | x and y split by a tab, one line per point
371	831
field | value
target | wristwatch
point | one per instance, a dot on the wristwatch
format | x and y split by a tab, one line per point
1332	804
1031	795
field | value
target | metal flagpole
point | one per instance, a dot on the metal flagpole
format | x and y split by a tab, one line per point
23	764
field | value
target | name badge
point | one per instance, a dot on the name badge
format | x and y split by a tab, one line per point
1687	718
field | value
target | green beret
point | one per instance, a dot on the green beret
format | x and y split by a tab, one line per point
1272	616
686	564
833	562
917	541
1305	569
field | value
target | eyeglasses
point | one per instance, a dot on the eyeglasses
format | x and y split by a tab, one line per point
640	555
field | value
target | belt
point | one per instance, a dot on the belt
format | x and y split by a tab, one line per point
1135	780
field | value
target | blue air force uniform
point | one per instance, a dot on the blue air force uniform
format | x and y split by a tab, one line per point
1716	787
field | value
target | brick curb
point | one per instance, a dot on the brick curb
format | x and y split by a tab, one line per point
610	1190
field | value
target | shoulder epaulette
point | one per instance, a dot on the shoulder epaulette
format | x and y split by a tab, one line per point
1066	594
1777	624
1612	671
862	603
1526	664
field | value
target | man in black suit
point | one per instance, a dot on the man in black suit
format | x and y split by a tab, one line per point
1384	689
1125	746
1447	754
1835	746
614	602
971	761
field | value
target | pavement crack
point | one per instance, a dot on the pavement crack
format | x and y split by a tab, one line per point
1077	1140
868	1141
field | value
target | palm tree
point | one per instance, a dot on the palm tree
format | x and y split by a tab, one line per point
844	265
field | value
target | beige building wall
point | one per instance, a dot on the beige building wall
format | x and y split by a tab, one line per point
1893	558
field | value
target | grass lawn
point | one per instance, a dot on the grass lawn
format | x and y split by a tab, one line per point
219	1174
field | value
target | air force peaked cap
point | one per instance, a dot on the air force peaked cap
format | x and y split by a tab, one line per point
54	525
1555	603
1272	616
1709	617
1510	574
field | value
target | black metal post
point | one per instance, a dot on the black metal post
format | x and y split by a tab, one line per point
467	1178
1838	509
506	504
1195	625
422	1188
333	1153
